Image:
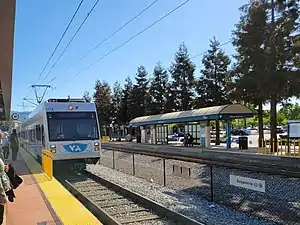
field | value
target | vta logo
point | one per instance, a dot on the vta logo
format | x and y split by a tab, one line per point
75	147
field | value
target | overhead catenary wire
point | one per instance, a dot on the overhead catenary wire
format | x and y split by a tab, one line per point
133	37
115	32
202	53
71	40
62	36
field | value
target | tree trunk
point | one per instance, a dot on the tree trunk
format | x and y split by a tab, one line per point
260	126
217	132
273	121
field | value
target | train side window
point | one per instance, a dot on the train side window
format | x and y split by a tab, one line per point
38	132
31	135
43	135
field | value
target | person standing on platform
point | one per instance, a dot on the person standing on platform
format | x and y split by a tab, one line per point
14	144
5	145
5	186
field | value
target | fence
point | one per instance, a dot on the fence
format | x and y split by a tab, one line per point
285	147
272	197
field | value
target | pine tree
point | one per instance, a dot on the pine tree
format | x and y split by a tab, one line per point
297	51
266	49
127	101
140	93
158	90
182	72
102	99
280	51
212	85
249	37
86	96
170	98
117	102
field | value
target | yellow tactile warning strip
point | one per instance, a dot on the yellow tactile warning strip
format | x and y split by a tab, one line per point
67	207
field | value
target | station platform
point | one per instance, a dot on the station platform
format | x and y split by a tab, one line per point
196	152
41	201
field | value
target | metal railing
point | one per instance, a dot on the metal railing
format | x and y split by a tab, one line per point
285	148
270	197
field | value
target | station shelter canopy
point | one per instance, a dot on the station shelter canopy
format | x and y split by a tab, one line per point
223	112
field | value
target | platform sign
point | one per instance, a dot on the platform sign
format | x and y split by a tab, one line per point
15	116
248	183
294	128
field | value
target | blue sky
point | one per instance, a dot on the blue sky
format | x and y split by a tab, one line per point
39	25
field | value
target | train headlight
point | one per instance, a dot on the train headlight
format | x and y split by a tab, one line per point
53	148
96	146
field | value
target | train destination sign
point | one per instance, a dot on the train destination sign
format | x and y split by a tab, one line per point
248	183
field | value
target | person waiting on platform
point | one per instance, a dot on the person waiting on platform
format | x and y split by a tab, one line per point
185	141
5	145
190	140
14	144
5	186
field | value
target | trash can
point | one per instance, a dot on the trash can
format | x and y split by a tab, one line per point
243	142
138	139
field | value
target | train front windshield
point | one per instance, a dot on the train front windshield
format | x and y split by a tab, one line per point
71	126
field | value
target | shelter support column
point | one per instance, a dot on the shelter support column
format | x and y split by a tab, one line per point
217	122
153	134
143	134
207	136
228	134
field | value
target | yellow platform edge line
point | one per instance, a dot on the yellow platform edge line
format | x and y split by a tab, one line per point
4	216
66	206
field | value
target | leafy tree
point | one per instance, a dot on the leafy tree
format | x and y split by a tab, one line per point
86	96
291	111
140	93
102	99
212	85
182	72
158	90
127	101
117	102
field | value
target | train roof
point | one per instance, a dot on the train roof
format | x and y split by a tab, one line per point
57	101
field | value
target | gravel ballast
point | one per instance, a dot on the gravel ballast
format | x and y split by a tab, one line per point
188	204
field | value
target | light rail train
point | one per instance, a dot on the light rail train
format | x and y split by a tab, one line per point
69	128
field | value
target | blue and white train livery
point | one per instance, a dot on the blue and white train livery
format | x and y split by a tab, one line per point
69	128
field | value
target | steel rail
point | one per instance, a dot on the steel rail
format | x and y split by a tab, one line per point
107	218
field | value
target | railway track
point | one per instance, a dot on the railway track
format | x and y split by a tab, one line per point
115	205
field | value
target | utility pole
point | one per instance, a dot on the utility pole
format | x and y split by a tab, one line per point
30	101
272	70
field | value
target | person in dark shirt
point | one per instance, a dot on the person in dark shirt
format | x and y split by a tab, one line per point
14	144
